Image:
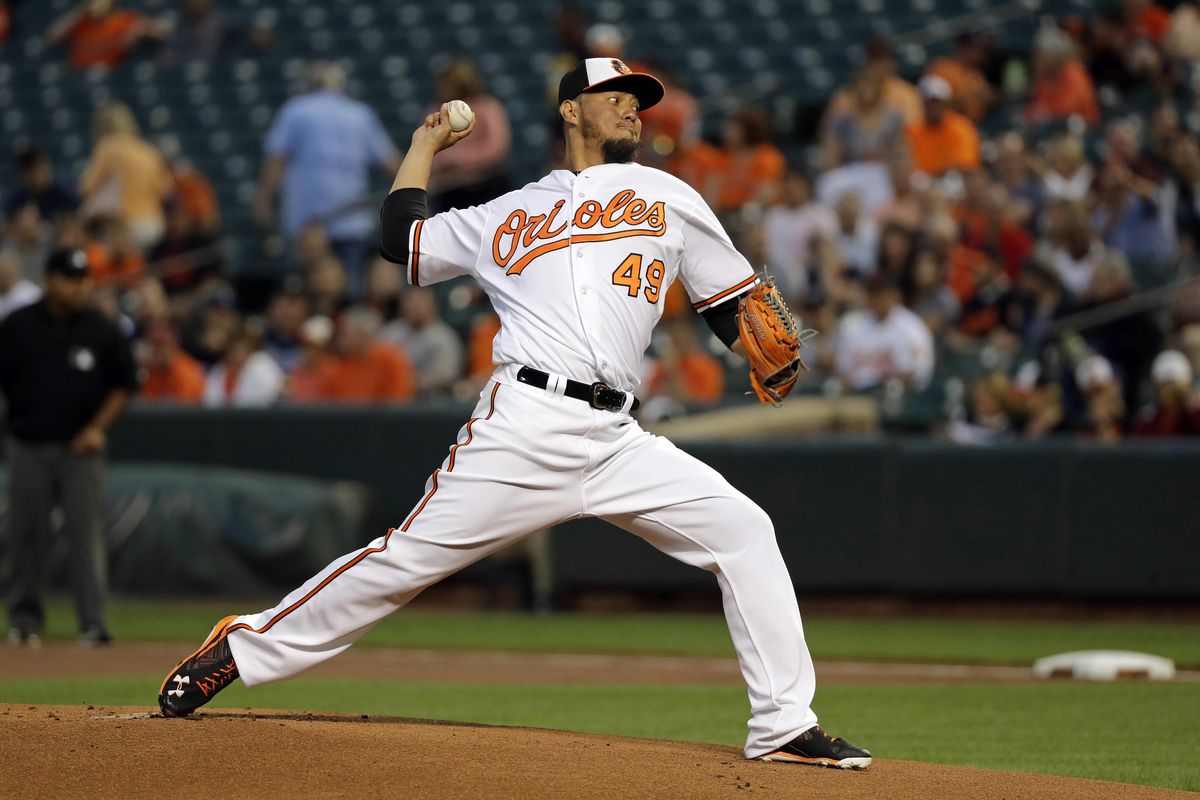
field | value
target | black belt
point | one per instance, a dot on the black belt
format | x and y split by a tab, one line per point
597	395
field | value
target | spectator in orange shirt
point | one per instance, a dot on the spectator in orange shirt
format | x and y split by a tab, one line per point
170	375
97	34
998	232
696	163
750	167
308	381
944	140
684	372
479	345
1061	86
1145	19
972	95
672	124
195	198
484	327
366	369
116	258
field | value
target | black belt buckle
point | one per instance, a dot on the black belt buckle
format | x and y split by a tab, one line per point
606	398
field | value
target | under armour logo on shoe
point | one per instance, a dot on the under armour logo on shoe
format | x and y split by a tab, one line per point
180	680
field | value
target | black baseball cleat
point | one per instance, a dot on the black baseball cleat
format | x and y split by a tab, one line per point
815	747
201	675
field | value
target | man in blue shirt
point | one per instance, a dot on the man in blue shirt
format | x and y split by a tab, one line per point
320	150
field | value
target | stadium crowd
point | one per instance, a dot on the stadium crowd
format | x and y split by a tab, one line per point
993	226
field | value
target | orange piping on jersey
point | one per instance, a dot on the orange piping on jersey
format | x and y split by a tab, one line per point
470	433
416	251
241	626
726	293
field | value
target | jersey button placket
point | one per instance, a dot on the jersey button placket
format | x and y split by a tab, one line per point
580	278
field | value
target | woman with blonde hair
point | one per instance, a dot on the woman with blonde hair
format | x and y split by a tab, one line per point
126	177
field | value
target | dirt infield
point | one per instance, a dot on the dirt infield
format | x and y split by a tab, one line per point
100	753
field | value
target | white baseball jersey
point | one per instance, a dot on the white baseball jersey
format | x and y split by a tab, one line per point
578	266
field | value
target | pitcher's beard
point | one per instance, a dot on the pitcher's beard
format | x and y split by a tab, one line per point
620	151
613	151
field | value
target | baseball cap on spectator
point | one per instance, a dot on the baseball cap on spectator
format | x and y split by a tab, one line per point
1027	377
68	262
935	87
598	74
316	331
1171	366
1093	372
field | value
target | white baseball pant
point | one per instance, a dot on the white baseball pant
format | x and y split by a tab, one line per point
529	459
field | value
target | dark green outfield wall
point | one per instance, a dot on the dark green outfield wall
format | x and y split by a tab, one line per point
1069	519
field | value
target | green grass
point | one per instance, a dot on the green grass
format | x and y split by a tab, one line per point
1136	733
954	641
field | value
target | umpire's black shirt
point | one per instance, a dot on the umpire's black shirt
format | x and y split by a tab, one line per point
55	372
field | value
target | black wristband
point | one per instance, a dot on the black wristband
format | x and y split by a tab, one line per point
401	209
722	321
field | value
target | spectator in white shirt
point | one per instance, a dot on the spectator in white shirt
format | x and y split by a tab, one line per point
247	376
884	342
789	228
1071	247
857	237
1069	176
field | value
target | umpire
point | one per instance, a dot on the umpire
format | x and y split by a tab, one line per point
67	373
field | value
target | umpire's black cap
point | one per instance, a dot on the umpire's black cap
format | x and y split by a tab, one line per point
598	74
70	262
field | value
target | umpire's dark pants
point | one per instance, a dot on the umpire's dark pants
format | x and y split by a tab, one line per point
40	477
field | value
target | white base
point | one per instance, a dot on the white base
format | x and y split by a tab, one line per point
1105	665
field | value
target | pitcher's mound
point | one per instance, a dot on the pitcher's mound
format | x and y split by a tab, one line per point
104	752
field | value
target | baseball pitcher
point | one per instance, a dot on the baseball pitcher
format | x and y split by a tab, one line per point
577	266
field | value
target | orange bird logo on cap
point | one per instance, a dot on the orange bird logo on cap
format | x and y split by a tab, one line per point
620	67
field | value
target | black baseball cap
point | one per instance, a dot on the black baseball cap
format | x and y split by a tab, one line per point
70	262
598	74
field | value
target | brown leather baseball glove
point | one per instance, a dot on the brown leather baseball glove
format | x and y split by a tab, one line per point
772	342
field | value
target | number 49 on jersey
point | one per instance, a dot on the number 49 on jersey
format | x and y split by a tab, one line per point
629	274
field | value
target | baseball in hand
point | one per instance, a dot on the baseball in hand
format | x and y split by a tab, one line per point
460	115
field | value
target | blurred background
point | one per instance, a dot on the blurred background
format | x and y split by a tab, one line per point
989	210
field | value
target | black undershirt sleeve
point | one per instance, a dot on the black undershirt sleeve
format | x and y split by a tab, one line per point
722	321
401	209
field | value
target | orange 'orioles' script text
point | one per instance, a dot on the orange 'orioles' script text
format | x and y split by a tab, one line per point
523	230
